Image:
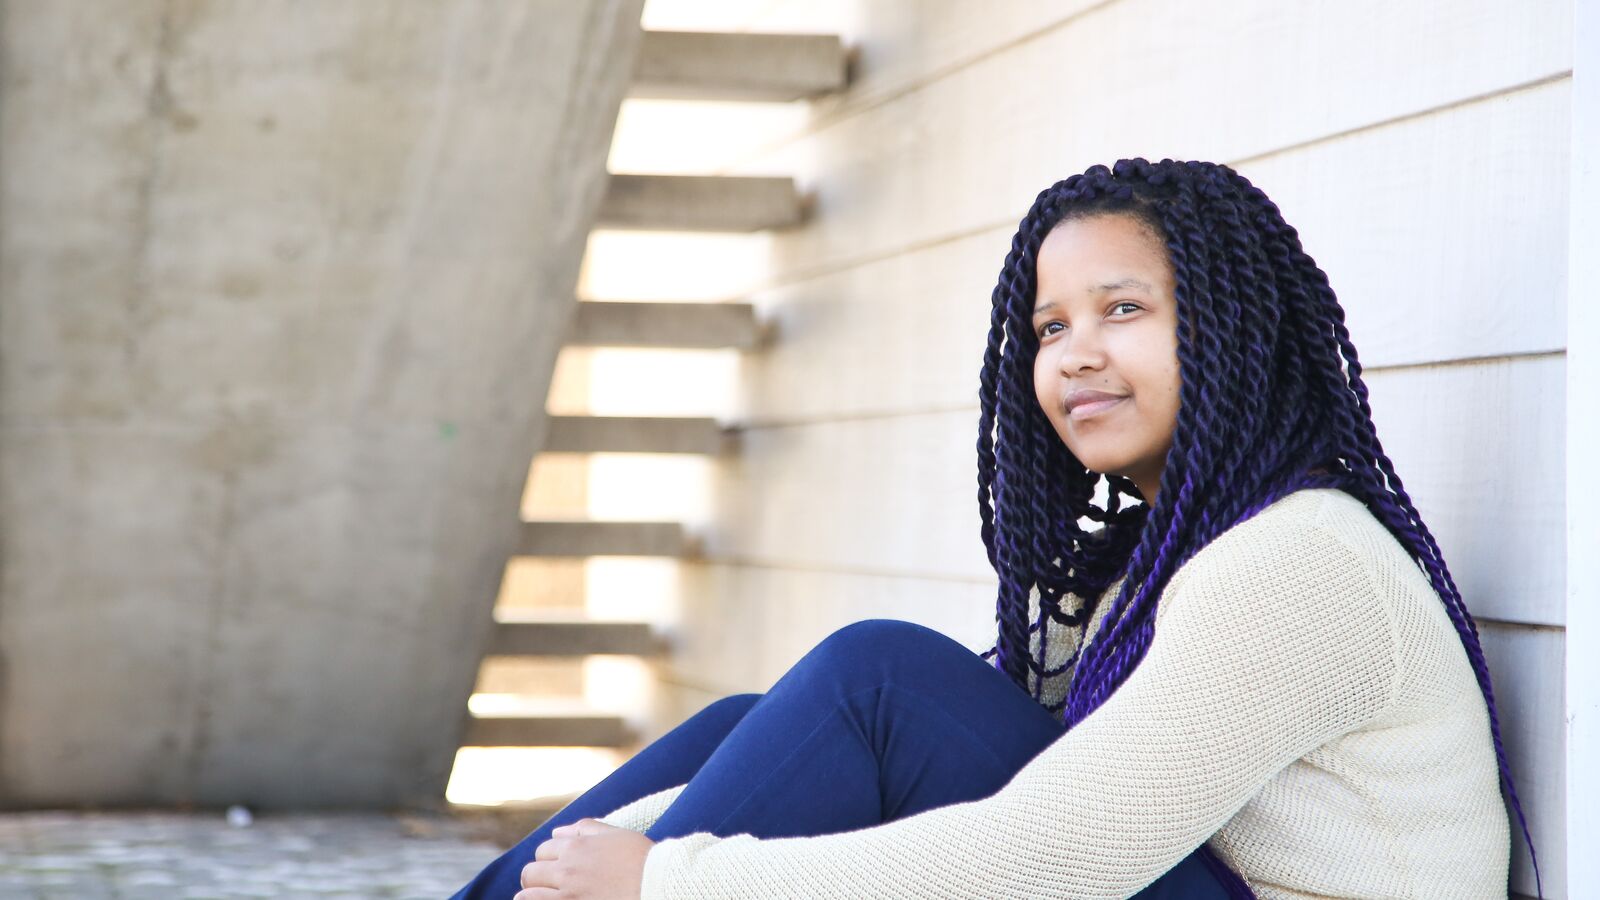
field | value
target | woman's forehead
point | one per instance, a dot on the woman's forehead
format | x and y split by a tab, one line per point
1084	246
1090	267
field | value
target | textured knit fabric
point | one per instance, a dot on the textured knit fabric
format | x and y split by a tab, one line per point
1305	704
642	813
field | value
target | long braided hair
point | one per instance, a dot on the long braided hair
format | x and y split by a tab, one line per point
1271	393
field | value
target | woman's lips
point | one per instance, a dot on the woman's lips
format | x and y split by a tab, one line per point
1089	410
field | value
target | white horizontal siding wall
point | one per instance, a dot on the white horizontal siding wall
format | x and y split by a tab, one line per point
1583	478
1421	149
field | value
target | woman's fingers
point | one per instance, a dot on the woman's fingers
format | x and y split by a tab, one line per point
550	849
536	887
580	827
540	874
541	878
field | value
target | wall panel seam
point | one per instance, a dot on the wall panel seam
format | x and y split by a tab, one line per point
800	275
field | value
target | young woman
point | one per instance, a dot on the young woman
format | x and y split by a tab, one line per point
1260	681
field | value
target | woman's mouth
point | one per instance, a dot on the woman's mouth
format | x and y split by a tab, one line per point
1090	410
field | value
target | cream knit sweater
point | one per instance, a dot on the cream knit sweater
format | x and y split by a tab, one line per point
1305	706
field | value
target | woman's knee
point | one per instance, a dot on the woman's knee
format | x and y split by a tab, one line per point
878	640
729	709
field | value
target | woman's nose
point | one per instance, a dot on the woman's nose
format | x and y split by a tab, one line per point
1083	350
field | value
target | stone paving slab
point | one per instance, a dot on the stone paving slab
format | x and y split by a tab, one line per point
194	856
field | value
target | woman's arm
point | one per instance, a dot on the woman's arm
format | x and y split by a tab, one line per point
1260	655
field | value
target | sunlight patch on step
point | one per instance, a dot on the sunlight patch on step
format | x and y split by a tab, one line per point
490	776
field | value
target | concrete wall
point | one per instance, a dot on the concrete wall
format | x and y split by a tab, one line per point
281	287
1420	148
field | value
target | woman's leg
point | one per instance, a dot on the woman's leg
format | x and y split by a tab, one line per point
881	720
667	762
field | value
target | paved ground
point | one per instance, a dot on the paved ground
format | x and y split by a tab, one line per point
178	856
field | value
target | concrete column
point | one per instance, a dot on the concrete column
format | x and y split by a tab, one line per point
281	288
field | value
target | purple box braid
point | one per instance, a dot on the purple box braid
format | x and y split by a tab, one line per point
1271	390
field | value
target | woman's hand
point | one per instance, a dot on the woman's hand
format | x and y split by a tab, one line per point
587	860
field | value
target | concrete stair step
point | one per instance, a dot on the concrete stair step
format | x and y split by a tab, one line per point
506	824
578	537
679	325
630	434
732	66
549	729
700	203
544	635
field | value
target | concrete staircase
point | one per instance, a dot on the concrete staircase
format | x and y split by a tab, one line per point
747	67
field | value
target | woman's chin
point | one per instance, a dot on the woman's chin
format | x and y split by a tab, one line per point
1098	465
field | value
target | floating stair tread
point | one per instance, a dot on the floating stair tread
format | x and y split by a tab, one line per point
580	537
700	203
630	434
552	729
697	65
549	636
680	325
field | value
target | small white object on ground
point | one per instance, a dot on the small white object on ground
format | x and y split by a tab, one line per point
239	817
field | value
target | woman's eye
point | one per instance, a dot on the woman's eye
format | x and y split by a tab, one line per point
1044	329
1123	303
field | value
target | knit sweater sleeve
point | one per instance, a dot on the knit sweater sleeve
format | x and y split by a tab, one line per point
643	812
1263	650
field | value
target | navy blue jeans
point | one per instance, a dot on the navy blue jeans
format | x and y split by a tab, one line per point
881	720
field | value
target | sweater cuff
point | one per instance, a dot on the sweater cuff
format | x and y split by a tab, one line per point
642	813
667	866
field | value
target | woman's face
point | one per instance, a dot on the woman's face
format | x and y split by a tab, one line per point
1107	321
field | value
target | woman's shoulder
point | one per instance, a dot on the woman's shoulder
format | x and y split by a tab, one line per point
1310	533
1289	523
1281	604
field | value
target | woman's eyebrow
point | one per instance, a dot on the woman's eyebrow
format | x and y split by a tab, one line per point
1118	285
1101	289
